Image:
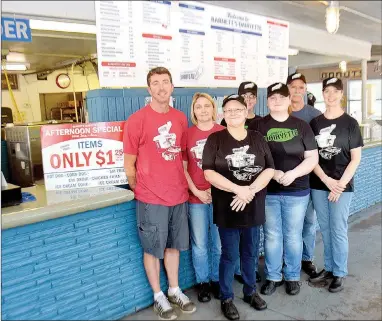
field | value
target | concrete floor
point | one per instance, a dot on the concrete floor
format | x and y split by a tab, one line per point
360	300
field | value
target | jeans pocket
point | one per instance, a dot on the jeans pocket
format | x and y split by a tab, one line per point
148	235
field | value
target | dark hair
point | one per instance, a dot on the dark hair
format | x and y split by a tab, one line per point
158	71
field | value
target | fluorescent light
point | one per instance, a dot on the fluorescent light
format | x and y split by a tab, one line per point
292	52
62	26
14	67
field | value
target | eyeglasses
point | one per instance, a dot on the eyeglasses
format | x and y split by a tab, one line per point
249	96
233	111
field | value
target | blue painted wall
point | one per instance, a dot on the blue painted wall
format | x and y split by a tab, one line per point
86	266
119	104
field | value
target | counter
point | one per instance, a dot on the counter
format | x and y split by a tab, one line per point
76	255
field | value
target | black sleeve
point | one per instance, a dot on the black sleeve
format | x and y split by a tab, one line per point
253	125
313	125
269	163
209	152
223	123
355	139
308	137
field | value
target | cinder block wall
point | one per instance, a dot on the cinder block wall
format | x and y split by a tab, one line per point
86	266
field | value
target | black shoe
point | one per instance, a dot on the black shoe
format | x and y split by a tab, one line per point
322	276
309	268
258	277
229	310
337	284
270	286
239	278
215	289
292	287
255	301
204	292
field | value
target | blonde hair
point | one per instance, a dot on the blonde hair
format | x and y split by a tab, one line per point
290	109
210	99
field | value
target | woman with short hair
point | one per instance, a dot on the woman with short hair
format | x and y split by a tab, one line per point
294	151
238	164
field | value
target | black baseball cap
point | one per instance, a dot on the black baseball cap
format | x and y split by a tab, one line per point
247	87
295	76
278	88
332	81
234	97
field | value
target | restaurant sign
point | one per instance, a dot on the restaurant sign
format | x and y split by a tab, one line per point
83	155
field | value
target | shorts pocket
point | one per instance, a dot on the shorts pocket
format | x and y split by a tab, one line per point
148	235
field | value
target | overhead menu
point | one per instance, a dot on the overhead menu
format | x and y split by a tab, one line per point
202	45
277	51
190	35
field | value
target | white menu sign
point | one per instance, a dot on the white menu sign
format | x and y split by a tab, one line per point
201	44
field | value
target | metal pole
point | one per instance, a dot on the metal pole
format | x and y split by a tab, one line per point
364	90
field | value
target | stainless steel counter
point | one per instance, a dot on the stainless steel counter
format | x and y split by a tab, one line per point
55	204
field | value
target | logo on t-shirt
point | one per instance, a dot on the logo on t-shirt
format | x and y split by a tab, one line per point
281	134
197	151
325	142
242	164
166	142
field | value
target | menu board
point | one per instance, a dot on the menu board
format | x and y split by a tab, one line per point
202	45
82	155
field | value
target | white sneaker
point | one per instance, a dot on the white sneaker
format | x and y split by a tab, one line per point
182	301
163	309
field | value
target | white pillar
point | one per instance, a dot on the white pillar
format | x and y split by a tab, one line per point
364	90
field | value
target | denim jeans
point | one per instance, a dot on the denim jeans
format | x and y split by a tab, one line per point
205	240
238	265
309	233
235	242
333	220
283	236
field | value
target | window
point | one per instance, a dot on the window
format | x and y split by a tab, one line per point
316	90
373	98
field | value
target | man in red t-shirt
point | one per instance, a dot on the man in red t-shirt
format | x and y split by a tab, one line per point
154	139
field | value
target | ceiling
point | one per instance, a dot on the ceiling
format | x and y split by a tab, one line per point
312	13
50	49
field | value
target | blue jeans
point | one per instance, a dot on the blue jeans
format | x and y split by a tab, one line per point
309	233
238	265
204	233
235	242
284	219
333	220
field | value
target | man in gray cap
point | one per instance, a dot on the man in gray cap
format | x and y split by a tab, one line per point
297	87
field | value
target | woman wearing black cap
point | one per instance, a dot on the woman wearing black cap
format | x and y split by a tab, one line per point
247	90
294	151
339	143
239	165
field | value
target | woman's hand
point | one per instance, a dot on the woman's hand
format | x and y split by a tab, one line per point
288	178
204	196
245	193
334	186
333	197
277	176
237	204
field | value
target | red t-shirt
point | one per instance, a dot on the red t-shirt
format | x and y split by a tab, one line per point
196	140
158	140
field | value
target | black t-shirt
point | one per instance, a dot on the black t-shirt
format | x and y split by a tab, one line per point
240	162
287	140
335	138
247	121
